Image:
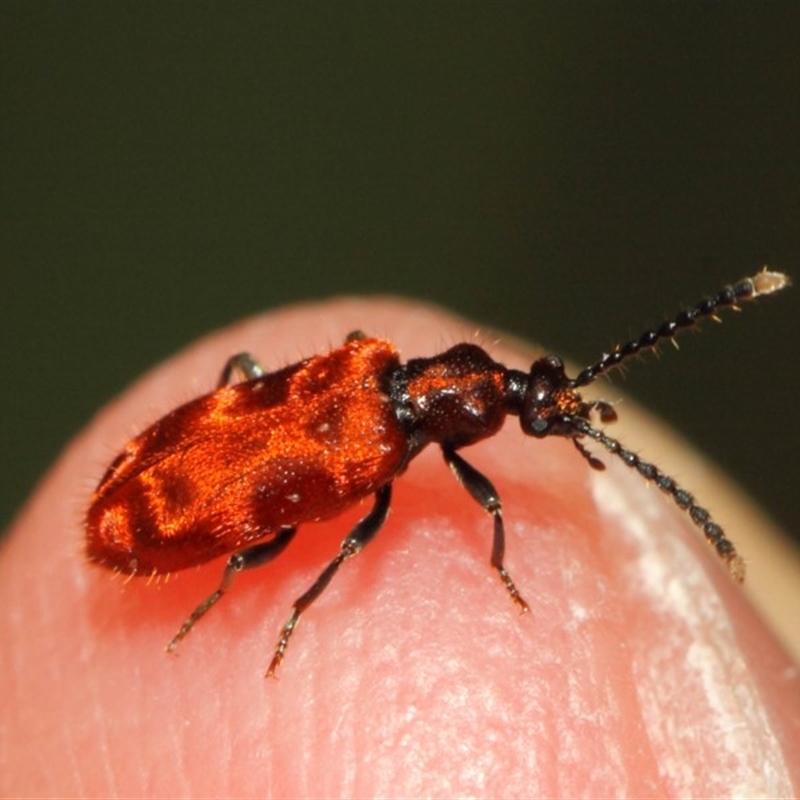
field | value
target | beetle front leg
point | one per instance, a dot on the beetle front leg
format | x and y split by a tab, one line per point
482	490
361	535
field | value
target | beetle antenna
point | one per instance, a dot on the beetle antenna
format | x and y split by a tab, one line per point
765	282
714	534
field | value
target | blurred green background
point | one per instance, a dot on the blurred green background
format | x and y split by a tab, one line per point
569	172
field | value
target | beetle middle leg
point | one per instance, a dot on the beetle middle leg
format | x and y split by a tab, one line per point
251	557
482	490
361	535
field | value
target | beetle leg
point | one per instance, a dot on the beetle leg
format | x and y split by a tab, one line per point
248	558
245	365
482	490
361	535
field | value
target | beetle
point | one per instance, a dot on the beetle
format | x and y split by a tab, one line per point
238	470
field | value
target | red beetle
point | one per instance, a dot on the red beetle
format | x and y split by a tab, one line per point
238	470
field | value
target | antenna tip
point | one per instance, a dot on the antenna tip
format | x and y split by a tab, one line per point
737	567
767	282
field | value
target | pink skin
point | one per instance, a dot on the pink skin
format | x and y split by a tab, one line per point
642	669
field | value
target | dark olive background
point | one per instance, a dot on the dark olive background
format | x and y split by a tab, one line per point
567	172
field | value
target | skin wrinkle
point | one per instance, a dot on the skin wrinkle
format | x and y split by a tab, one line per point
666	576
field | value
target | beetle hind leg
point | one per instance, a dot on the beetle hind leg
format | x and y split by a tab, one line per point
244	365
254	556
